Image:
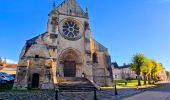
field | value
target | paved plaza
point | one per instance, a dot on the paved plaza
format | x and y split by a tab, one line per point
160	93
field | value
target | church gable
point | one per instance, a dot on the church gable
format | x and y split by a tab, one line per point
71	7
35	46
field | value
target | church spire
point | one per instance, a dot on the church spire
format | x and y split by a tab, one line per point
54	5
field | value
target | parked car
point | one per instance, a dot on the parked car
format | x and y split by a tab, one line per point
2	81
5	74
6	77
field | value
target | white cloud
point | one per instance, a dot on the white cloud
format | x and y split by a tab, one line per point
11	61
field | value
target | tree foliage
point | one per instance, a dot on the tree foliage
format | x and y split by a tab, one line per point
149	68
168	74
137	62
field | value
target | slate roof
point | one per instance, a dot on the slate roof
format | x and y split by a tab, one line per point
120	67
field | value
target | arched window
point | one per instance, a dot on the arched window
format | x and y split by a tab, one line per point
95	58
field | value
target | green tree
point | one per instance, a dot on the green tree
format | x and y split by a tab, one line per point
150	67
168	74
146	69
137	62
156	68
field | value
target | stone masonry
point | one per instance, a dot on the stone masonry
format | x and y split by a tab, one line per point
66	49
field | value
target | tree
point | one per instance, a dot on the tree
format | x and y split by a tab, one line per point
150	65
168	74
146	69
1	61
137	63
156	68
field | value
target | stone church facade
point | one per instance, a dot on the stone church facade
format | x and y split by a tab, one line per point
67	49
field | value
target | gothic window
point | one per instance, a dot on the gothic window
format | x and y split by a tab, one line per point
53	28
70	30
54	22
70	11
115	76
86	25
95	58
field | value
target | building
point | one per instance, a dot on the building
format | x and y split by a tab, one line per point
162	75
122	72
67	49
7	67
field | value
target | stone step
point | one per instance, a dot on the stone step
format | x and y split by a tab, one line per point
75	83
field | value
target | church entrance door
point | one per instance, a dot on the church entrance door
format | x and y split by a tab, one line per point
35	80
69	69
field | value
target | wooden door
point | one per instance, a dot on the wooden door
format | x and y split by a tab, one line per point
69	69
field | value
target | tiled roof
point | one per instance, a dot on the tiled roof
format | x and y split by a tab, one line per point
10	65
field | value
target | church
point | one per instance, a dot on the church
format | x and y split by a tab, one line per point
66	51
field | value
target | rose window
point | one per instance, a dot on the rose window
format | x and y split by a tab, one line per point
71	30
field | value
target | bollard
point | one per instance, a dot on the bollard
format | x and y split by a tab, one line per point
56	95
116	90
95	96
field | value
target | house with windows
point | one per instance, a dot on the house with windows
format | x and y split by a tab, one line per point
7	67
162	75
122	72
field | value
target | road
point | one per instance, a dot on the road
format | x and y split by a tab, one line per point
160	93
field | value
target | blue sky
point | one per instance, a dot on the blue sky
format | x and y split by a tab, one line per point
124	26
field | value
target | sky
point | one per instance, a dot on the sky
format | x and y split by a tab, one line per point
125	27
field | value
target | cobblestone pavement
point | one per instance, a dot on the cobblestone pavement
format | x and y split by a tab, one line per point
50	95
110	94
45	95
160	93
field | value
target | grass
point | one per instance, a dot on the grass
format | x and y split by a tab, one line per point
128	84
131	83
7	87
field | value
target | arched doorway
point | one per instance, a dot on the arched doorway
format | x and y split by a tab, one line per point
69	58
35	80
69	69
95	58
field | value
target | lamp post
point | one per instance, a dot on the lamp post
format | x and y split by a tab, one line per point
56	94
